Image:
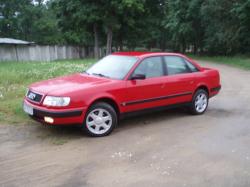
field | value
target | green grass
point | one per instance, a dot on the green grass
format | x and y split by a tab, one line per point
16	76
237	61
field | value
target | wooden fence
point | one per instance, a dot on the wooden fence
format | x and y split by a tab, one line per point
43	52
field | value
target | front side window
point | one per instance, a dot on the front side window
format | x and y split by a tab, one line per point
150	67
176	65
113	66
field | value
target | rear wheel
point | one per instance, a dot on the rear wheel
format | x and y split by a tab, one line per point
199	102
100	120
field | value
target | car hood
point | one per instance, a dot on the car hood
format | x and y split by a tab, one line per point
62	86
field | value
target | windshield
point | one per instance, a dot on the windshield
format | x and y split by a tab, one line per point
112	66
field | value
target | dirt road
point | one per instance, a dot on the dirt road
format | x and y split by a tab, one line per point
169	148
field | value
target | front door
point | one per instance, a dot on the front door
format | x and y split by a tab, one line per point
142	94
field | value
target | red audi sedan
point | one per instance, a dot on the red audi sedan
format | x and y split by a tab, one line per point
121	84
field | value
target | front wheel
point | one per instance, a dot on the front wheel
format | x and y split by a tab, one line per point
100	120
199	102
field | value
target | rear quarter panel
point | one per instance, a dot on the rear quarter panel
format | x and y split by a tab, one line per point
209	78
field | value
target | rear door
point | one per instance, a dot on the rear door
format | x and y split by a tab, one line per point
180	81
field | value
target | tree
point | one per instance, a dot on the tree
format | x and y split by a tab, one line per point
78	19
38	23
9	13
183	23
221	27
113	10
241	10
216	27
28	20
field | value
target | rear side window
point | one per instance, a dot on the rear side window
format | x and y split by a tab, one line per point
150	67
191	66
177	65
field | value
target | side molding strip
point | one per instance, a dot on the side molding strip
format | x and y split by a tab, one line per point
155	99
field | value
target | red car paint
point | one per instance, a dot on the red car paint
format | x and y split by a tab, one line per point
125	95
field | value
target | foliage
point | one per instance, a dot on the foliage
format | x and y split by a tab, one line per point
215	27
29	20
9	12
222	29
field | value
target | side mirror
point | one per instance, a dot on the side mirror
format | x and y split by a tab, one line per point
138	77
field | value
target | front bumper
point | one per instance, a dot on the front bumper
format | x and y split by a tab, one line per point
60	116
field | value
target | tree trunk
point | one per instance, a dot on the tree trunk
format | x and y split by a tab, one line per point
96	47
109	41
121	44
163	43
195	48
183	46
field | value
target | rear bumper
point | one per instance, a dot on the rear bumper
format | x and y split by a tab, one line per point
60	116
215	90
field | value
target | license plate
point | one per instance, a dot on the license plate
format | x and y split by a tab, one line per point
28	109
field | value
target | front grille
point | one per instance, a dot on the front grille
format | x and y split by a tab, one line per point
34	96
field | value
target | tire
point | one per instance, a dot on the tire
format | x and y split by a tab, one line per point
100	120
199	102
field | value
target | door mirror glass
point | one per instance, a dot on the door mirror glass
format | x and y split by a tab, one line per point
138	77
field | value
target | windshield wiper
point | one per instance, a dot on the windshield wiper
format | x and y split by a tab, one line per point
100	75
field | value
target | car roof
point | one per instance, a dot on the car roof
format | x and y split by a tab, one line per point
145	54
142	55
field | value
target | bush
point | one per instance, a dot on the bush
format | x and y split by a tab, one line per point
141	49
156	50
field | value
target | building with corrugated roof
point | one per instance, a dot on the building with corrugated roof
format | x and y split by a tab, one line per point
11	41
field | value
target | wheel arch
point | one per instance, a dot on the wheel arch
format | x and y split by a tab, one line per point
203	87
108	100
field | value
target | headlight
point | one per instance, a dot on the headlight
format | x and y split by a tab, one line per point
56	101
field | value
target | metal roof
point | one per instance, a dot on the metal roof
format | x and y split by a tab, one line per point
14	41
